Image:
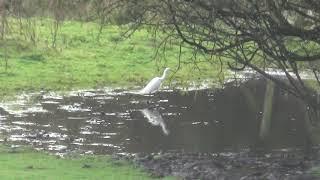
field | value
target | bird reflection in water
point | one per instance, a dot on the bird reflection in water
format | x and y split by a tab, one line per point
155	118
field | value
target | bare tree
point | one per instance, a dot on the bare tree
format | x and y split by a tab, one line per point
282	34
4	28
102	9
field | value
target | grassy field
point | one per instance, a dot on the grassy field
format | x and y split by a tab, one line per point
28	164
79	60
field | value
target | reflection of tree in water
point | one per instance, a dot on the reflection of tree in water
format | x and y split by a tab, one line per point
280	117
233	116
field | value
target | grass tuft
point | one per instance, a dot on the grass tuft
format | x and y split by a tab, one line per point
24	163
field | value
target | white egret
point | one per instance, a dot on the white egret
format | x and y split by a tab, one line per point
154	85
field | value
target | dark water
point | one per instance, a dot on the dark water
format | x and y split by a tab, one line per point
113	121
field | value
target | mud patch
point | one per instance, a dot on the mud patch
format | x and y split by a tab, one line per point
229	166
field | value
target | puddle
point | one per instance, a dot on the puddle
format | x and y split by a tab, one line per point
105	122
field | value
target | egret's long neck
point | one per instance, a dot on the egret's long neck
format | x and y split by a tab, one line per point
164	75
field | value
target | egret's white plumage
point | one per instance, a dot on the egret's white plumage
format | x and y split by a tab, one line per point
154	84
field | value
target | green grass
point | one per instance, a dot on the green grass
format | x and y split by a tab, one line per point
79	60
315	171
28	164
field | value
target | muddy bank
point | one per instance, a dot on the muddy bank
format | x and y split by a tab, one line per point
228	166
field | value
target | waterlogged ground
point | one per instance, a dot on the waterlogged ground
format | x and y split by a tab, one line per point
206	134
116	121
